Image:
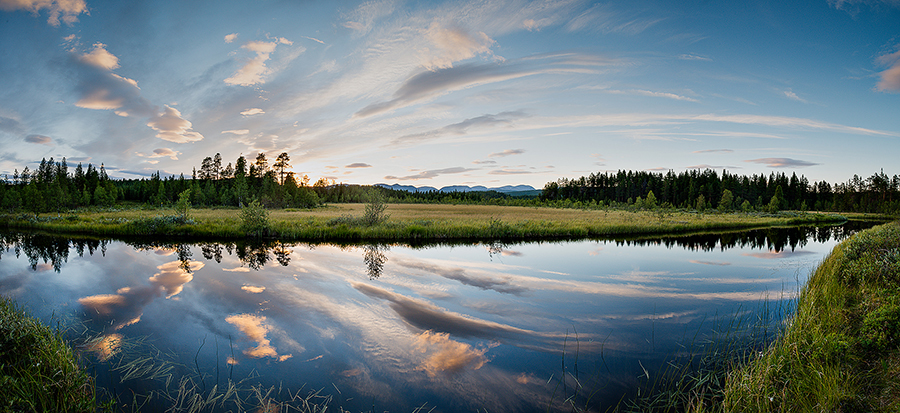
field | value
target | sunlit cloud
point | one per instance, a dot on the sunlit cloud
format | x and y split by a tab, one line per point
237	131
256	329
105	346
890	78
173	128
172	277
782	162
230	37
101	89
444	354
449	45
253	289
253	111
255	71
66	10
39	139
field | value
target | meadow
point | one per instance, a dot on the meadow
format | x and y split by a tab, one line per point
400	222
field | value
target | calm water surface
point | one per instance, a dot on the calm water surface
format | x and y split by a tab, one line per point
516	327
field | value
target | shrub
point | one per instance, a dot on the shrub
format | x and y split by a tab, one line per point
255	219
375	209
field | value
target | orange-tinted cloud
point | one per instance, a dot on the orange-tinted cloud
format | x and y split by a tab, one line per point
255	328
446	355
451	45
172	278
890	78
67	10
172	127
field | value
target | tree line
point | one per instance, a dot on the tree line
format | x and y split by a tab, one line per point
54	188
705	189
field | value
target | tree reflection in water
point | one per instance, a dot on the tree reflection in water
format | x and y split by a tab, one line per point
375	259
54	250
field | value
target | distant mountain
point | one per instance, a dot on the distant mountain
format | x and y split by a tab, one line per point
459	188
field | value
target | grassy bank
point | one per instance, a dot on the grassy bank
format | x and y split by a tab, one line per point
39	372
841	350
404	222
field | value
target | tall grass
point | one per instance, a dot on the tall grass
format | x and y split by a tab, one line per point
39	371
841	351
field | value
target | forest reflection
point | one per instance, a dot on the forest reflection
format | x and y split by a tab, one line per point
54	250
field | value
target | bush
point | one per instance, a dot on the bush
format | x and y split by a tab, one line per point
255	219
375	209
183	206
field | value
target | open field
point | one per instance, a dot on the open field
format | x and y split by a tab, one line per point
410	222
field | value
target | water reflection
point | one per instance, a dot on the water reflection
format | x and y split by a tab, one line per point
394	327
374	257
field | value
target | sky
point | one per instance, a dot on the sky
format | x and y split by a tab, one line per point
454	93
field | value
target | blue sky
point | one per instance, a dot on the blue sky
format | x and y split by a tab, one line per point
458	92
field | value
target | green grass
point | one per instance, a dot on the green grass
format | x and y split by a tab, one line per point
38	369
841	350
406	222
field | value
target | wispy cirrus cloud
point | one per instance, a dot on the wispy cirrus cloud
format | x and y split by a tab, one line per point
430	174
793	96
714	151
461	128
506	152
429	84
255	71
651	93
782	162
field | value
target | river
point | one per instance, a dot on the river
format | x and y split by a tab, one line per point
491	326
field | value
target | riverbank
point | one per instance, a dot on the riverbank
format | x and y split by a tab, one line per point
841	350
39	372
403	222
